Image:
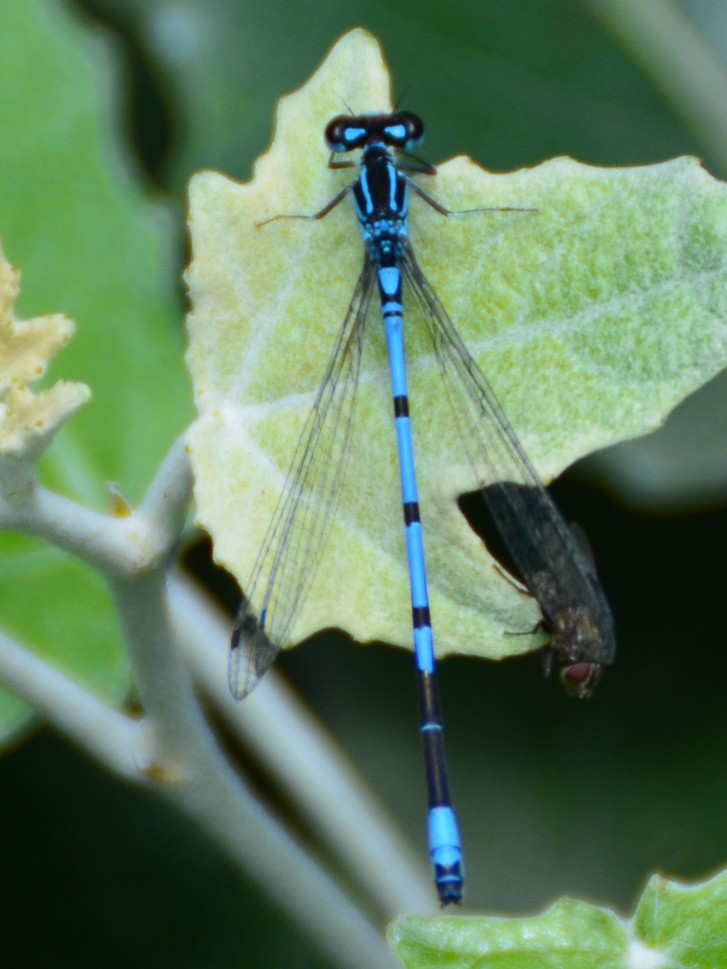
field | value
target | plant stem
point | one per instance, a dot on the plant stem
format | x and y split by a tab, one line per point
113	739
172	749
289	744
679	61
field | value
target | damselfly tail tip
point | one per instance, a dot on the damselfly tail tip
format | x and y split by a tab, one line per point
449	884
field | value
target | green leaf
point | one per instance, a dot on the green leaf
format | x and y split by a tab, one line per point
570	935
90	244
677	926
688	922
592	317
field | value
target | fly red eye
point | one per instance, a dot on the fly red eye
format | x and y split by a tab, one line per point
581	679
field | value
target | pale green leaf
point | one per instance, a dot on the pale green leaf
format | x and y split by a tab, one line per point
28	420
592	317
687	922
676	926
570	935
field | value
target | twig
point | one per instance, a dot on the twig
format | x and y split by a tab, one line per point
115	740
291	746
181	759
679	61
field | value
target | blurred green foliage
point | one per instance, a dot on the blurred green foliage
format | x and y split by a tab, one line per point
90	242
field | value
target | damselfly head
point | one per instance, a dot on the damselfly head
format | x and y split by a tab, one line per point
401	129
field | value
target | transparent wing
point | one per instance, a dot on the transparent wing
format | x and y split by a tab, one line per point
555	568
296	536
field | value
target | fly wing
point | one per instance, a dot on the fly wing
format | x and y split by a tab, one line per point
554	567
295	539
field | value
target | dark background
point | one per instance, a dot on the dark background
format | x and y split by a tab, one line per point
554	797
